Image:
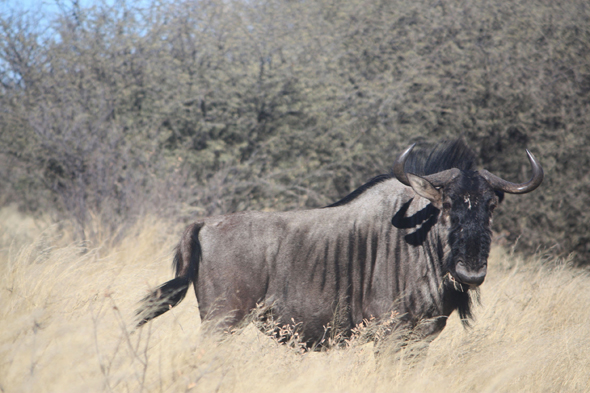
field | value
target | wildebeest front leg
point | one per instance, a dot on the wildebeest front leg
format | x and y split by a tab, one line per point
409	341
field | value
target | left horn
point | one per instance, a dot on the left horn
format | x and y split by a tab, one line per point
437	179
515	188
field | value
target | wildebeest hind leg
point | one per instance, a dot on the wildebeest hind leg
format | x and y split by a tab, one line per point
225	315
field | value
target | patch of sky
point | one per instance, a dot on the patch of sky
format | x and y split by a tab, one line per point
51	8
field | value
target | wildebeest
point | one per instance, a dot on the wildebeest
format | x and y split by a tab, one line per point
414	243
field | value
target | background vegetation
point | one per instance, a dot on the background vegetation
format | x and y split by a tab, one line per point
190	108
66	313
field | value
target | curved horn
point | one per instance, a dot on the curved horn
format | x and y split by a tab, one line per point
515	188
399	166
436	179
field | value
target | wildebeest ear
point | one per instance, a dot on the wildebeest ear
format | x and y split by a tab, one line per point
425	189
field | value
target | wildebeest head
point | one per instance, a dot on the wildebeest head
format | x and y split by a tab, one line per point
466	200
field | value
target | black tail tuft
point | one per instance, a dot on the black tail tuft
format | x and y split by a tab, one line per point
169	294
162	299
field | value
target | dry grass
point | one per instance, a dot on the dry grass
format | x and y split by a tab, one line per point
66	320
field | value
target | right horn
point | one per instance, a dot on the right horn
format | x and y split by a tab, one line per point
515	188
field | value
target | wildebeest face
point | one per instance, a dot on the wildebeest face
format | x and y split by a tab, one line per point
466	203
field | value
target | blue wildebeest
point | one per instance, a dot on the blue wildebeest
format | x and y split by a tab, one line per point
413	243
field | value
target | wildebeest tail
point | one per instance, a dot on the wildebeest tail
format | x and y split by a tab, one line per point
171	293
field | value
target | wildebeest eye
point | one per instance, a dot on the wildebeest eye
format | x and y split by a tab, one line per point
447	206
493	205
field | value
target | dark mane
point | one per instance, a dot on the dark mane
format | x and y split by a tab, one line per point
445	155
355	194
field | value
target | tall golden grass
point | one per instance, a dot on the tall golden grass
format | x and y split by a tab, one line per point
66	313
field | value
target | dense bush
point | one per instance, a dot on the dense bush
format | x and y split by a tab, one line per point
206	107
